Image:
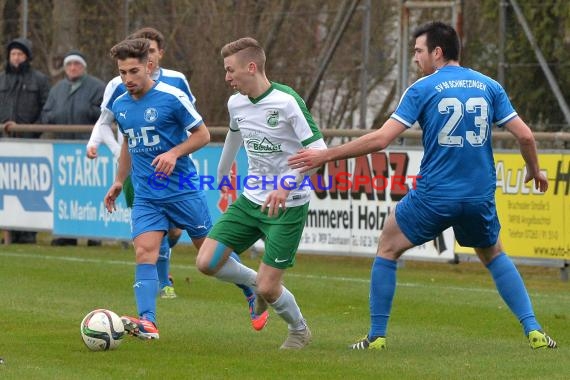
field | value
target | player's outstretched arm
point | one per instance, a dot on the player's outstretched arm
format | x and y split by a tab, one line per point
527	145
287	182
103	133
229	152
296	175
308	159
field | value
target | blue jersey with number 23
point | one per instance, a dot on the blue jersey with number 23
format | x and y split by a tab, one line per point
456	108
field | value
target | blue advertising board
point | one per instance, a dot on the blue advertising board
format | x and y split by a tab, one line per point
80	184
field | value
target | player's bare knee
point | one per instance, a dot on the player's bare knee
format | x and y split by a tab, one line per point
203	261
390	255
265	293
268	290
486	255
174	233
145	256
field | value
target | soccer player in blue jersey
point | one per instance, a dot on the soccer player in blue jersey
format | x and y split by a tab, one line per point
455	107
155	118
102	133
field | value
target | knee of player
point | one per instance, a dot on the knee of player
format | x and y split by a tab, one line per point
392	248
212	256
203	262
174	233
269	294
264	291
390	253
208	259
269	290
145	256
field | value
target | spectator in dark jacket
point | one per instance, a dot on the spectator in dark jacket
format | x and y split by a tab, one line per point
23	93
23	90
75	99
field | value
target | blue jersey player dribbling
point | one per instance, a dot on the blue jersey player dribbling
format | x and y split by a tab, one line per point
455	107
102	132
155	119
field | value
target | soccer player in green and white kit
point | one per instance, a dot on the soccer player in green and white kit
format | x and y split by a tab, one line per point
273	123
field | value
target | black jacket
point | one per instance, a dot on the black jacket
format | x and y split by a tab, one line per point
23	91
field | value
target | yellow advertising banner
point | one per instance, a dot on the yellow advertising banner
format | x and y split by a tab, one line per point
534	224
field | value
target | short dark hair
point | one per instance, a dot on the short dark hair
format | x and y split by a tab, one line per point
131	48
442	35
151	34
249	49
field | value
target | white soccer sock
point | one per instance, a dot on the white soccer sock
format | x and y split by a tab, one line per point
287	308
236	273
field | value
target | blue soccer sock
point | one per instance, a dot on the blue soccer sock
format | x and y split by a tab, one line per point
146	289
163	263
382	289
511	287
247	291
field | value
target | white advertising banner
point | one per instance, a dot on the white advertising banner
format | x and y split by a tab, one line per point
349	205
26	185
352	199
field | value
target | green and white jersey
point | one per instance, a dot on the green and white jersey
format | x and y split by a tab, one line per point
273	127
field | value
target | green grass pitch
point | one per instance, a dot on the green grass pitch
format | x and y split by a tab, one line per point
448	322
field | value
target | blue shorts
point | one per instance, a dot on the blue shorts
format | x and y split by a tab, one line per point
190	214
475	223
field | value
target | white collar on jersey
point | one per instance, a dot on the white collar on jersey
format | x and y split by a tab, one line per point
156	74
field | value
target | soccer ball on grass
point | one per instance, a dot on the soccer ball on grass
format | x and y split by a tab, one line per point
102	330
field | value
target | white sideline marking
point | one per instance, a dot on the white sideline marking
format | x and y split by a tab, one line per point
306	276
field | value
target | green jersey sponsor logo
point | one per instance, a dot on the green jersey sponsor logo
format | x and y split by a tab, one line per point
272	118
263	146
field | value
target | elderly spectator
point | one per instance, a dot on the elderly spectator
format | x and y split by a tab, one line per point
74	100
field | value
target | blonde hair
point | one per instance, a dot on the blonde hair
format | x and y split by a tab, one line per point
248	49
